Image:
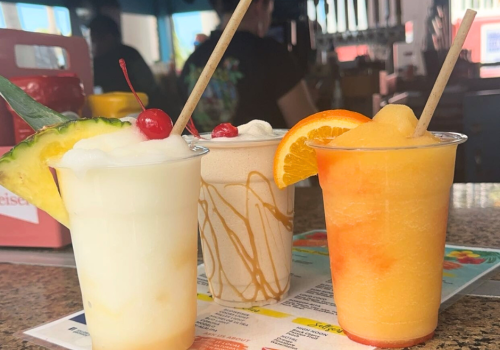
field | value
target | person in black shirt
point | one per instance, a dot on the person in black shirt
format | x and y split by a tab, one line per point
107	49
256	79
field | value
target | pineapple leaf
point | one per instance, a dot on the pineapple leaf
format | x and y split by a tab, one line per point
32	112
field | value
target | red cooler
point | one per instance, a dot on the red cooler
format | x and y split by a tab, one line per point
62	93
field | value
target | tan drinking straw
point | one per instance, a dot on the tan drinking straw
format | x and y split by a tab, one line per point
211	65
444	74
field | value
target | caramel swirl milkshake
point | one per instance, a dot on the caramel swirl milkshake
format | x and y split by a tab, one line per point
245	221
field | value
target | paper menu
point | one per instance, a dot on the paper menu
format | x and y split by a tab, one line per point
462	265
306	320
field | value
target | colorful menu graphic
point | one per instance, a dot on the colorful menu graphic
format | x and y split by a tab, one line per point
462	266
306	320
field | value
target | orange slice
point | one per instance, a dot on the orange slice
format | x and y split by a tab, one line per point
294	160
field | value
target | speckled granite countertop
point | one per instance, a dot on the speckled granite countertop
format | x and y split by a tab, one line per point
32	295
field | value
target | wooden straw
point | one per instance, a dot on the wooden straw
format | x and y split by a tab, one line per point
444	74
211	65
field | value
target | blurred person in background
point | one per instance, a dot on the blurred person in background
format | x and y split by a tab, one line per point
107	49
199	39
257	77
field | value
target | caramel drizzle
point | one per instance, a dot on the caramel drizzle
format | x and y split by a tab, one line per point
249	255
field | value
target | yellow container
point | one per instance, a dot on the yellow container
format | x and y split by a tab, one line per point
116	104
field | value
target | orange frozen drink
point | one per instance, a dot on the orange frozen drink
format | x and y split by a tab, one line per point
386	198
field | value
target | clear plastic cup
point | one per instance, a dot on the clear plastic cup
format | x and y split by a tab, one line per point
246	223
134	233
386	213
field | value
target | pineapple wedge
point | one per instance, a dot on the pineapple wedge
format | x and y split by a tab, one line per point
24	169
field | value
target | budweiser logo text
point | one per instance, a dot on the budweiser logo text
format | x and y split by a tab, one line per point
9	199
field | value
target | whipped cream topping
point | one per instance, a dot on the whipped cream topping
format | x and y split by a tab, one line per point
126	147
256	128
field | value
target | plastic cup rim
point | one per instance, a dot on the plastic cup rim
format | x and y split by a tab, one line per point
198	152
447	139
230	143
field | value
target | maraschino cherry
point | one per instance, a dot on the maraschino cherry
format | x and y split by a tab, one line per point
153	122
225	130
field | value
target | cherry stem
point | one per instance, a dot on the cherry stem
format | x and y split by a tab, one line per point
192	128
125	73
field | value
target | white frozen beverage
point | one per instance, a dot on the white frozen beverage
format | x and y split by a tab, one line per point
132	206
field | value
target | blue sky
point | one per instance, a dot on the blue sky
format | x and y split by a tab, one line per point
34	18
187	25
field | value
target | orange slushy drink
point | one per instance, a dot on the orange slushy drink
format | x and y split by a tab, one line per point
386	200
